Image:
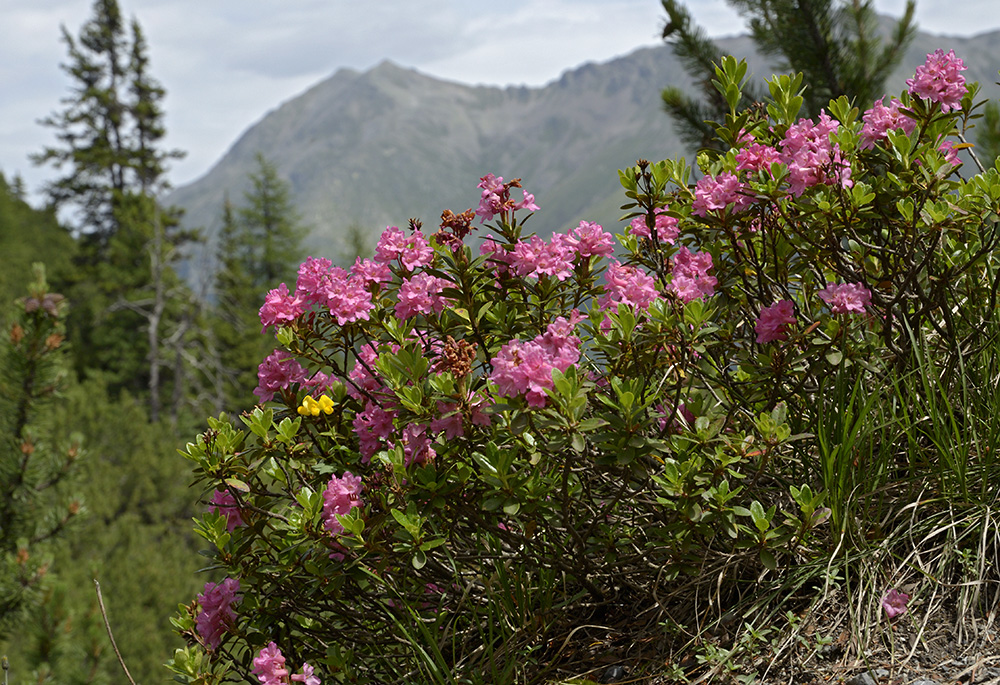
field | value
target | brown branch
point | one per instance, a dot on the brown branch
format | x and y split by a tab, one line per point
107	624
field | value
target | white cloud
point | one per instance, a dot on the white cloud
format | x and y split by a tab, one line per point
225	63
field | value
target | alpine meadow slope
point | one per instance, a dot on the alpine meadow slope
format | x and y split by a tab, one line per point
370	149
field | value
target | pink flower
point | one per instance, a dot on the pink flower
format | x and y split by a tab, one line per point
664	225
373	426
938	80
879	120
894	602
370	272
495	197
417	444
715	193
536	258
757	157
280	308
773	320
844	298
592	241
341	495
526	368
277	372
420	294
527	203
947	149
628	285
306	677
690	275
269	666
412	251
810	156
314	280
224	504
217	614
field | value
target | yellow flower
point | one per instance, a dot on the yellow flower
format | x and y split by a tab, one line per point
311	407
326	404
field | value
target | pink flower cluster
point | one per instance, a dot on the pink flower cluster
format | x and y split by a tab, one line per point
879	120
217	614
690	275
341	495
844	298
938	80
773	320
411	251
495	198
715	193
280	307
269	667
345	294
536	258
628	285
224	504
556	258
421	294
757	157
451	417
665	226
526	367
278	370
811	157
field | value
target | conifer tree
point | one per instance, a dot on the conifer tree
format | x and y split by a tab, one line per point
36	499
259	247
112	162
834	43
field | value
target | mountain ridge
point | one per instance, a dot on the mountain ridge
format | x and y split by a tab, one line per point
376	147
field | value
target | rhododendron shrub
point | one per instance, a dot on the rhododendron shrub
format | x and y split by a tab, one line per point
484	445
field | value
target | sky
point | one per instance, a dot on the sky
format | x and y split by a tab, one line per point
227	63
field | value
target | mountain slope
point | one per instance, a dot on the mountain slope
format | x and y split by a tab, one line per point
375	148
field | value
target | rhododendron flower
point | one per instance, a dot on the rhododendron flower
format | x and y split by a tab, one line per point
280	308
278	371
628	285
715	193
592	241
217	614
417	444
894	602
879	120
773	320
306	676
371	272
224	504
947	149
844	298
810	156
341	495
412	251
690	275
536	258
527	203
314	278
757	157
526	368
938	80
269	666
420	294
664	225
372	426
495	198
